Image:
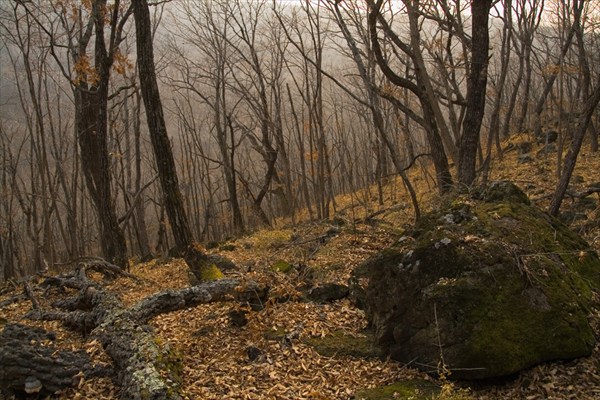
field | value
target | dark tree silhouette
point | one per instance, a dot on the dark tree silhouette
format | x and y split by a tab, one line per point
161	144
476	87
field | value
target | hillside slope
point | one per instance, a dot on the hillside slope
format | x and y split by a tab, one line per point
231	351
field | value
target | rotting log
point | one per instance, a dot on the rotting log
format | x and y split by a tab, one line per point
144	369
27	354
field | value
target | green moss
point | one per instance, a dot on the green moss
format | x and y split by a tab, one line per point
414	389
170	362
537	233
277	334
342	344
495	333
210	273
545	254
282	266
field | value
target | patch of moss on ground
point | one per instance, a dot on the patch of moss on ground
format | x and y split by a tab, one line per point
210	273
342	344
413	389
274	334
282	266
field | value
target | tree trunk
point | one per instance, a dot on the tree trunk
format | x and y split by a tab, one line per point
25	362
476	87
420	88
91	102
196	259
95	165
161	144
571	157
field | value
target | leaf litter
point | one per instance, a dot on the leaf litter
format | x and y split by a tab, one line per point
216	362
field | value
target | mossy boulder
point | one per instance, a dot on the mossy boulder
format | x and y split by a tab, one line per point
490	285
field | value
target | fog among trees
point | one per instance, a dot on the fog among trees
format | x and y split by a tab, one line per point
131	128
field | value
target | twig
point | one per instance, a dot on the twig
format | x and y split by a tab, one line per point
29	292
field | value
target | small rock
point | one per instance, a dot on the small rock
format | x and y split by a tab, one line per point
524	147
227	247
328	292
253	353
223	263
548	137
504	191
238	318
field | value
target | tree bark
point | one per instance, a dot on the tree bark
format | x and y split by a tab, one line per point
476	87
156	125
24	359
184	242
571	157
143	368
91	105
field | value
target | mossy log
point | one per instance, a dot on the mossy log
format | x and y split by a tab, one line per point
144	368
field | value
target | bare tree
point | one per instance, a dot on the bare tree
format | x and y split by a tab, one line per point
90	84
195	258
583	122
421	86
203	70
476	91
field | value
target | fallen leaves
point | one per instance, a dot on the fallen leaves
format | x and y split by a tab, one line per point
216	364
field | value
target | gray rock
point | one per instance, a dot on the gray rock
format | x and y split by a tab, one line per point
328	292
524	147
548	137
491	296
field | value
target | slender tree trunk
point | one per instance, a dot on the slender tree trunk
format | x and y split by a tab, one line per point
156	125
505	52
476	87
578	6
571	157
140	212
91	102
161	144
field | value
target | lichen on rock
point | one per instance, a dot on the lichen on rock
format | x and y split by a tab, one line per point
488	285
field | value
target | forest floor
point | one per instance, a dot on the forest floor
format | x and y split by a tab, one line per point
216	363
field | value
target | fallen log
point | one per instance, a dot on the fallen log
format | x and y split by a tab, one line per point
32	364
144	368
